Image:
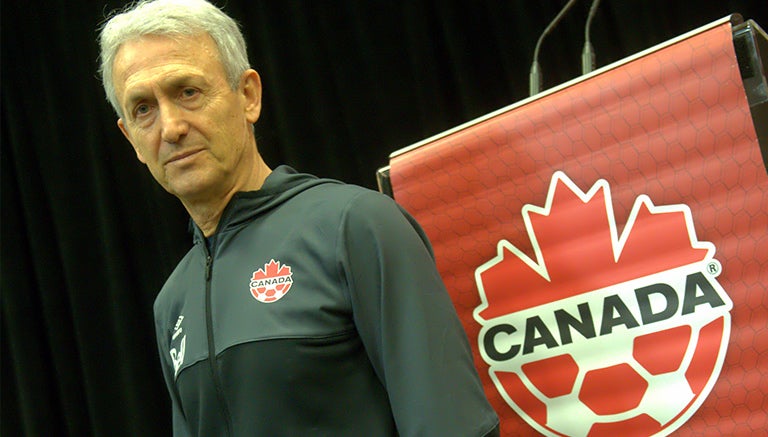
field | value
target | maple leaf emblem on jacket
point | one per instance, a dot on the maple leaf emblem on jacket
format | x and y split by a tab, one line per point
272	282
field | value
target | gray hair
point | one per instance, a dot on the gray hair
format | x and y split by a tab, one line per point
171	18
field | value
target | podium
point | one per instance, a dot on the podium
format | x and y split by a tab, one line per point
605	242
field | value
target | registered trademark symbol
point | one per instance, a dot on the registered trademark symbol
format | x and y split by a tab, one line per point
713	268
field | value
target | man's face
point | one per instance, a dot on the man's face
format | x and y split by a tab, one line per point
186	124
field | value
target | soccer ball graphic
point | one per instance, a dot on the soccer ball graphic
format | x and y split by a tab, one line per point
649	385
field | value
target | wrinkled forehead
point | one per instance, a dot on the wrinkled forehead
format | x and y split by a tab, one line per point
152	55
199	45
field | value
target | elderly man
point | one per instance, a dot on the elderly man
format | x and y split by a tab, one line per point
306	306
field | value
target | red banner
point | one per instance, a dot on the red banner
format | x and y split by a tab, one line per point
605	246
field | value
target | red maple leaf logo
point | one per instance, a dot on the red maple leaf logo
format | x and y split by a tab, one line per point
270	270
561	333
577	248
272	282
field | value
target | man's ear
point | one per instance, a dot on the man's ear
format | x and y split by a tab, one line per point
127	136
250	86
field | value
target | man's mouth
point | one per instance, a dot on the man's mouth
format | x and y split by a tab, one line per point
179	157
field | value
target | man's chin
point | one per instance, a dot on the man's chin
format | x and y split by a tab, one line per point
191	191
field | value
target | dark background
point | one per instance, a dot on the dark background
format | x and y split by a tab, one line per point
88	237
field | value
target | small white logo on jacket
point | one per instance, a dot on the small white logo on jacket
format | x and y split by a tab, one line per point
177	355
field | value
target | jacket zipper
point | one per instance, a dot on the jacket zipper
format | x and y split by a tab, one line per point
211	345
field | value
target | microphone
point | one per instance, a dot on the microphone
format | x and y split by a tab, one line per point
588	62
534	83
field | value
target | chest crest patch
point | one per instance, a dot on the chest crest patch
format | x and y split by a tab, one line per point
272	282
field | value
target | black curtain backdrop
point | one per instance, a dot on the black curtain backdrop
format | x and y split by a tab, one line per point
88	237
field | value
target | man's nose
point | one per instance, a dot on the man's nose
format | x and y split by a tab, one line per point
173	123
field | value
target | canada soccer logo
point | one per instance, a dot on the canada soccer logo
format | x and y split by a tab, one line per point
272	282
601	334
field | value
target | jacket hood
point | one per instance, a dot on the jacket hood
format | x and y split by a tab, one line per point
282	184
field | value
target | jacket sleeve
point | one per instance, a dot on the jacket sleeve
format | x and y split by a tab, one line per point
179	422
408	324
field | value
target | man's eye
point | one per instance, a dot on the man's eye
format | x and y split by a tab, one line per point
189	93
141	109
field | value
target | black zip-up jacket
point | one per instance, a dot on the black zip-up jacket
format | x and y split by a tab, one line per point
315	309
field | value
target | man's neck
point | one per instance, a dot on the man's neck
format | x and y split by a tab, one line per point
206	213
207	216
